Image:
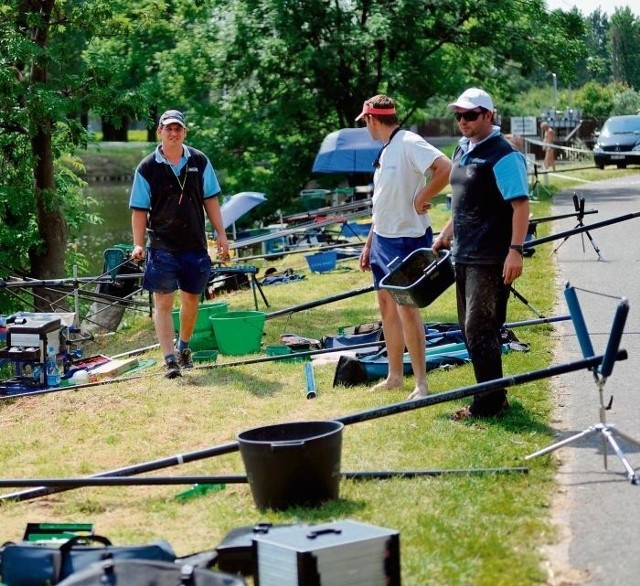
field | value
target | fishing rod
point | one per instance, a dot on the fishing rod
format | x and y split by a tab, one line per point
305	227
579	229
356	205
392	409
577	213
311	249
324	300
57	283
83	481
75	281
257	360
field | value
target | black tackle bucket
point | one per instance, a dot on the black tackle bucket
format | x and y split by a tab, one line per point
293	464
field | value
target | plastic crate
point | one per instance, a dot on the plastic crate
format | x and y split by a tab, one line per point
420	278
321	262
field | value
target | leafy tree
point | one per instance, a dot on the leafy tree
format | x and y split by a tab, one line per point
626	102
295	70
596	100
45	89
597	65
625	47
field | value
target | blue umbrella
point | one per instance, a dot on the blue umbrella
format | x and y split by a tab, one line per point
348	150
238	205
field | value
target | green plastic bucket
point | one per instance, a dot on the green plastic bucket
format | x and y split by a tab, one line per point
203	341
239	332
205	311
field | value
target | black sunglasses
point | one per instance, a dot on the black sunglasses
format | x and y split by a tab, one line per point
470	116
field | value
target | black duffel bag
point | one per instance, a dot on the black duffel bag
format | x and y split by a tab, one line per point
148	573
33	564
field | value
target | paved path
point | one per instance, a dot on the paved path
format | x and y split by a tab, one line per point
598	509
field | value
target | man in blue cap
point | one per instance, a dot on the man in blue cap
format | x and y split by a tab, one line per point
172	189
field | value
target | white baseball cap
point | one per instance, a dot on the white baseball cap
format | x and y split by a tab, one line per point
473	98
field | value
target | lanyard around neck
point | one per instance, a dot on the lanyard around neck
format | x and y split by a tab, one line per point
376	163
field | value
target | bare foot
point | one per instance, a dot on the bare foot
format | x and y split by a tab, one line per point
388	384
420	392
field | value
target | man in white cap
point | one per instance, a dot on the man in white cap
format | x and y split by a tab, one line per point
486	232
172	188
408	173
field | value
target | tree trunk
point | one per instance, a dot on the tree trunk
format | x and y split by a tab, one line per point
152	131
112	133
47	259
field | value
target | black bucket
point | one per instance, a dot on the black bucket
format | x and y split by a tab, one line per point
293	464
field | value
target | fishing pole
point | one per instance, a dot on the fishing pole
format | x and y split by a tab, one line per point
311	249
392	409
562	216
578	230
305	227
324	300
257	360
75	281
83	481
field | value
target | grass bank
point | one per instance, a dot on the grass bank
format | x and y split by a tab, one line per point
462	528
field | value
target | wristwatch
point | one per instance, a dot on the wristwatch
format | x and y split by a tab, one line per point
518	247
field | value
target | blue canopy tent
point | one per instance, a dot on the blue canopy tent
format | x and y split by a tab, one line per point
348	150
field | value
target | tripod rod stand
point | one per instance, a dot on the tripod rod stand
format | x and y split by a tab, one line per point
536	184
579	207
607	431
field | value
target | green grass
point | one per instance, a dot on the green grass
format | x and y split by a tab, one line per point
463	528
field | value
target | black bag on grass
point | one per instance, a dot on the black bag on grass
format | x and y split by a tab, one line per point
113	572
43	564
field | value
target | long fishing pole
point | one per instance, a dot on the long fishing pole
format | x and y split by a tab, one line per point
392	409
580	229
257	360
324	300
305	227
83	481
311	249
74	281
562	216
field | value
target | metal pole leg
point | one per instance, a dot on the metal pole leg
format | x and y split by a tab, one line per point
590	431
595	246
631	473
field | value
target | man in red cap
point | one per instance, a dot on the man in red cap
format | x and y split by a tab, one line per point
408	173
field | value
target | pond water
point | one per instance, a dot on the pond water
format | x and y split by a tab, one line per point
112	205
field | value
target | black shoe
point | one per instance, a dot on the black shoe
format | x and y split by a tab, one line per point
185	359
171	369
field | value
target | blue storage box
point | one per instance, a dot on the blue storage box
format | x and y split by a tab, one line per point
322	261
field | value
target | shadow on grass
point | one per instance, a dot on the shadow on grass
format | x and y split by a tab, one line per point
516	419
